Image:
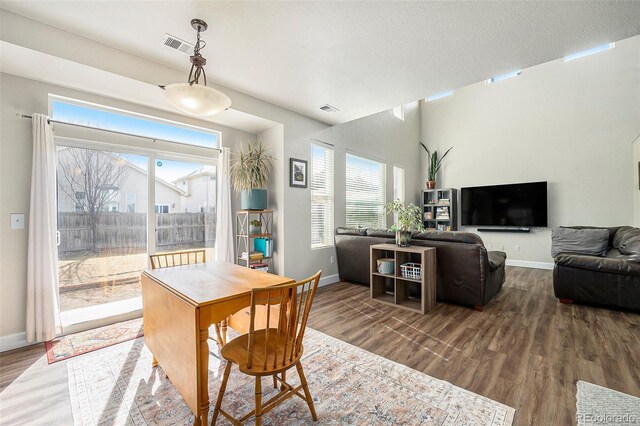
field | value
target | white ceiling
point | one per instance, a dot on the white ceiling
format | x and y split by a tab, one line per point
362	57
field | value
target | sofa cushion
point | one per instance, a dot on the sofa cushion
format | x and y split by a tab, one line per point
622	265
383	233
630	246
496	259
450	236
351	231
623	235
593	242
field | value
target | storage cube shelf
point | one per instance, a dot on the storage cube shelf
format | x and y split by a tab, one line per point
440	209
415	294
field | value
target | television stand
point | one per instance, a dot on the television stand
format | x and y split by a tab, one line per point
520	230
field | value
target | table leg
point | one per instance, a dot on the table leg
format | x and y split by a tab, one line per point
204	377
223	324
154	362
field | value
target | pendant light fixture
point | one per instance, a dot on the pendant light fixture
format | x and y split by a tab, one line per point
192	97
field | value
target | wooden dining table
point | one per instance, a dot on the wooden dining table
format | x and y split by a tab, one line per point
179	305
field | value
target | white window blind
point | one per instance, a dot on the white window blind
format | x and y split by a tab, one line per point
398	187
321	196
398	183
366	182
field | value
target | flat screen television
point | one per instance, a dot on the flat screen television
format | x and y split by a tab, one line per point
519	204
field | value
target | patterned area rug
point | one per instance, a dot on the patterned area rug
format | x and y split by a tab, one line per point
71	345
597	405
118	386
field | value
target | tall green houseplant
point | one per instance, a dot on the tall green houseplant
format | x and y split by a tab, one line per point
433	163
250	171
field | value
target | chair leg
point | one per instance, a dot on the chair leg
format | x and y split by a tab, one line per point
307	394
284	379
223	387
258	400
275	382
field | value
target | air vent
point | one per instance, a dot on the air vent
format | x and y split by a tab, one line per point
329	108
176	43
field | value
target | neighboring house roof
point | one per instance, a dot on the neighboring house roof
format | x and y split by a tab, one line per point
136	168
204	171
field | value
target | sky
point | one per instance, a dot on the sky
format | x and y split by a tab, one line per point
167	170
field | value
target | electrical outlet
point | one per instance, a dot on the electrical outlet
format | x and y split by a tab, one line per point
517	248
501	247
332	259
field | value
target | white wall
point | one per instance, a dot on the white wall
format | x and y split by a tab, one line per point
569	123
28	96
380	136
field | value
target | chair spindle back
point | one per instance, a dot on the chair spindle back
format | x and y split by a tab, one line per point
177	258
281	344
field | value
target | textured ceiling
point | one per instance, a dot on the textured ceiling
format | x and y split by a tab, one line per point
362	57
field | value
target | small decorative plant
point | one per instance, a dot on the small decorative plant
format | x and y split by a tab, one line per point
434	164
408	218
256	226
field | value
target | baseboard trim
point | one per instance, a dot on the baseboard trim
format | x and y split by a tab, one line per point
13	341
329	279
529	264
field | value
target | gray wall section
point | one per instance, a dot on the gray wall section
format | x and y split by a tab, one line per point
569	123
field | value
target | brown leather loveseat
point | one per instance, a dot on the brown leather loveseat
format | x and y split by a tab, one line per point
466	272
610	280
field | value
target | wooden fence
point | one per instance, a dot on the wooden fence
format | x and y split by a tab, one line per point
128	231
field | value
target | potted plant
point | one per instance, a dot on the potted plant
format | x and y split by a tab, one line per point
434	163
250	170
256	227
408	218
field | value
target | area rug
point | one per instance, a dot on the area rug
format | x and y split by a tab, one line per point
118	386
75	344
597	405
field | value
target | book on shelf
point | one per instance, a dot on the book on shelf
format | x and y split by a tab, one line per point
264	246
442	213
260	267
254	255
444	201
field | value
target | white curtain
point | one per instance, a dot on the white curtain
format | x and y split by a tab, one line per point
224	219
42	257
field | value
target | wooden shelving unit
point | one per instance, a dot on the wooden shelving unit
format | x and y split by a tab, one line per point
418	295
440	209
245	239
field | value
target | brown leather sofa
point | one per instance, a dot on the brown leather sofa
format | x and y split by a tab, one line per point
467	273
612	280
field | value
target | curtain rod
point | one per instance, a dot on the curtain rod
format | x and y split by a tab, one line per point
20	115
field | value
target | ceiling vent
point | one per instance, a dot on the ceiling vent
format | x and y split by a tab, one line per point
329	108
176	43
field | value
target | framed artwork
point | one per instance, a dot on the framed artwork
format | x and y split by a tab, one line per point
297	173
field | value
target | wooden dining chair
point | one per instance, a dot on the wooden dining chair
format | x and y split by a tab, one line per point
185	257
274	349
177	258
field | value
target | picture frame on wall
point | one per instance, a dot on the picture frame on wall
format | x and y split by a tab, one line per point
298	173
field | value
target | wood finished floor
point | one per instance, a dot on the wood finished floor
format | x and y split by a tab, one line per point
525	350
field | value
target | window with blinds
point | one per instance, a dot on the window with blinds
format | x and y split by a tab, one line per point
321	196
398	188
398	183
366	182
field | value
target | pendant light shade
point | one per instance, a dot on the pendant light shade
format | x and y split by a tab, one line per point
196	99
192	97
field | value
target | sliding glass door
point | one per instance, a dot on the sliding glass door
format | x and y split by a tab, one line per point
185	206
102	225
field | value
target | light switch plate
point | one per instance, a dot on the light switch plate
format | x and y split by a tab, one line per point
17	220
